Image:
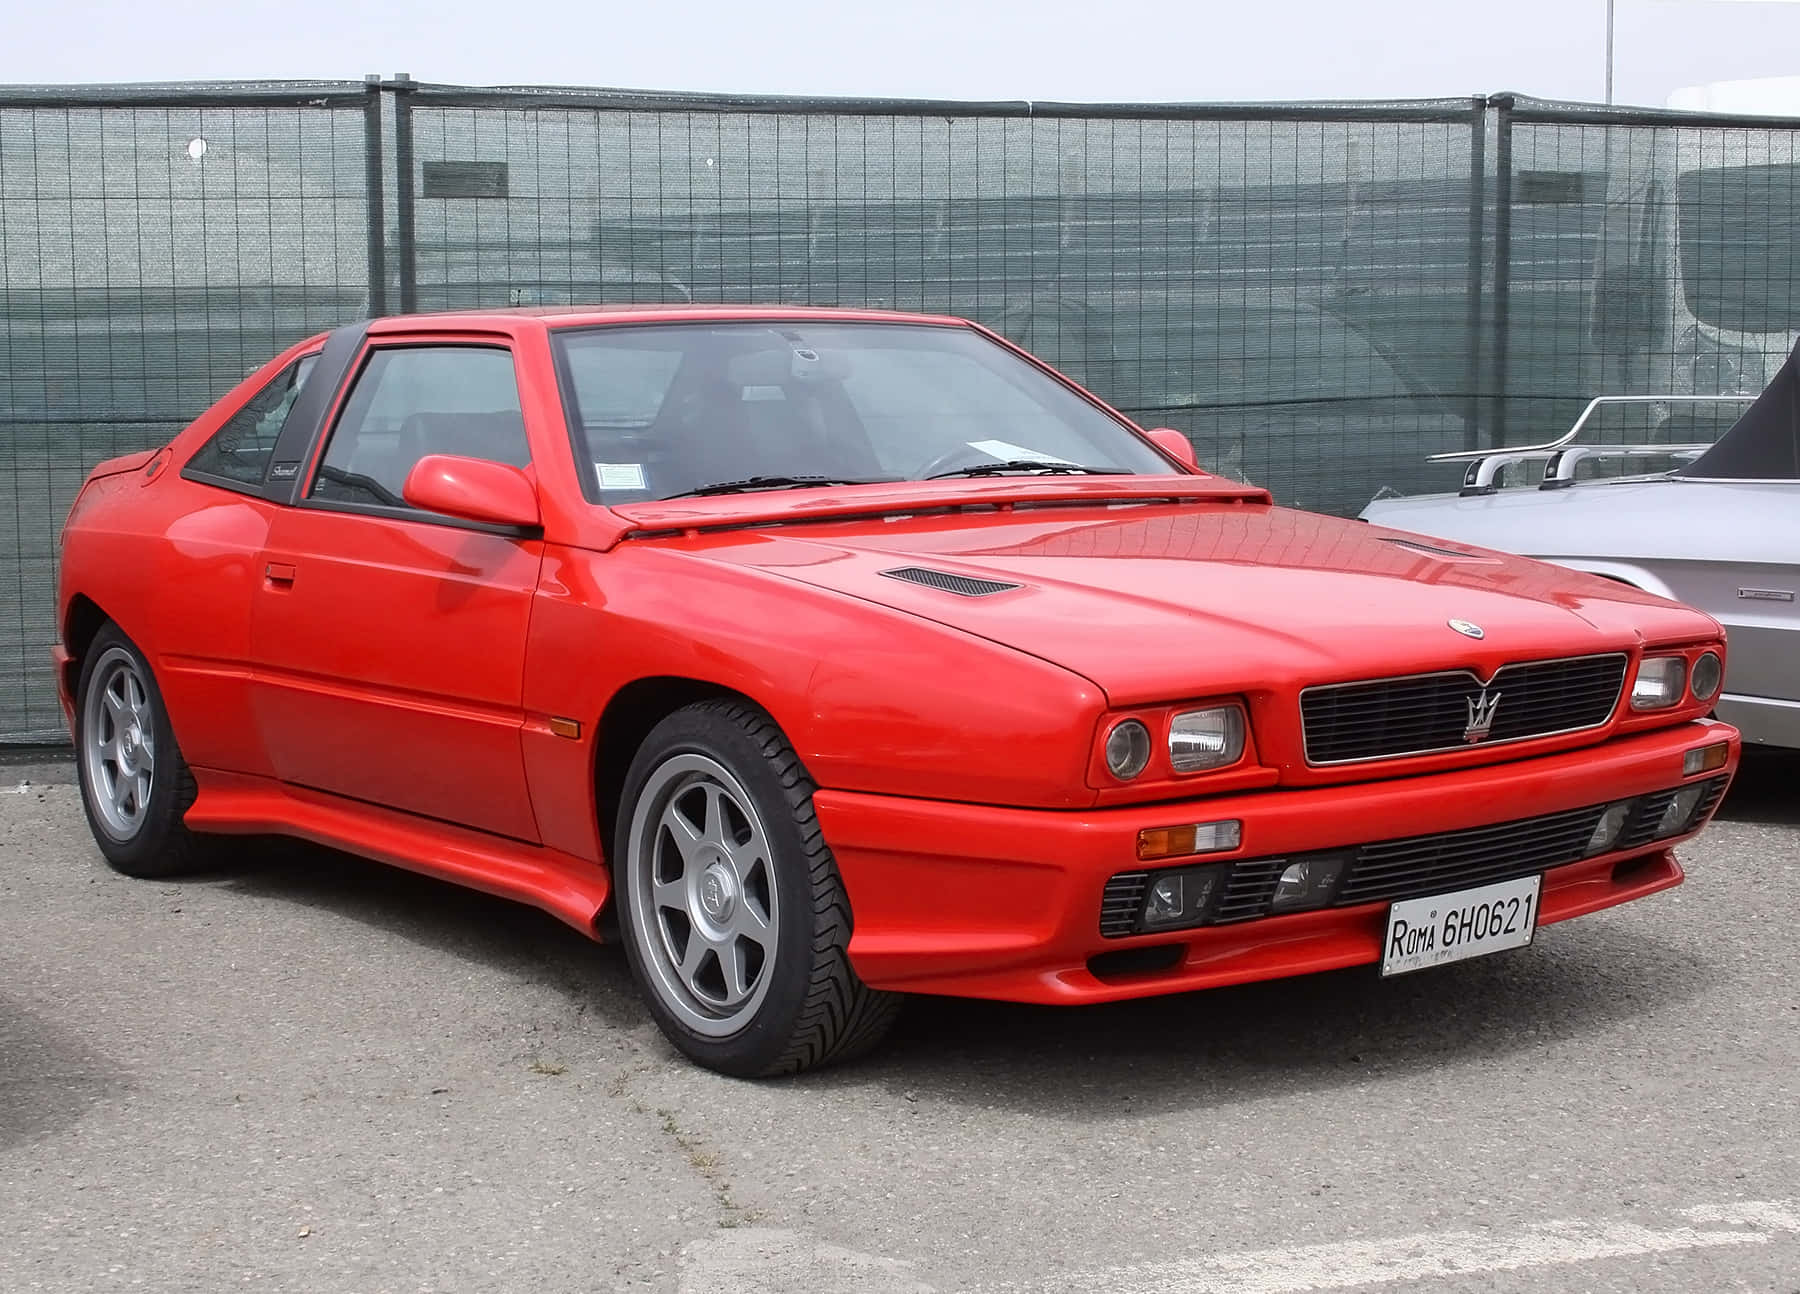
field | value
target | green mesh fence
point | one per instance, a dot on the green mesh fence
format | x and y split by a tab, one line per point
1318	295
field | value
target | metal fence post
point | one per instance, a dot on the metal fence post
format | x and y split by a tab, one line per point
376	179
1503	142
402	86
1477	259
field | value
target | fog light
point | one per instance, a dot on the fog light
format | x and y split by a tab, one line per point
1199	838
1180	898
1307	883
1709	672
1127	749
1606	831
1658	683
1705	759
1675	818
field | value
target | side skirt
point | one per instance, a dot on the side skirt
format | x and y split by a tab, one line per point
569	888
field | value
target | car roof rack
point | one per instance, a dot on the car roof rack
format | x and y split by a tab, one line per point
1561	456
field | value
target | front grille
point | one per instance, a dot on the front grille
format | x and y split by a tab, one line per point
948	581
1346	723
1249	889
1460	860
1415	866
1119	903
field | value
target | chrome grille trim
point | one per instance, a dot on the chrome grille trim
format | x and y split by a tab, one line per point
1417	709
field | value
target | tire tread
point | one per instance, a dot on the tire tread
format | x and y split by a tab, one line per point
840	1017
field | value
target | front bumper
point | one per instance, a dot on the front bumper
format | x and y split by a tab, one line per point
980	901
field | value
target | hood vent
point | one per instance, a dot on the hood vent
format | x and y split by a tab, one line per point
1446	554
946	582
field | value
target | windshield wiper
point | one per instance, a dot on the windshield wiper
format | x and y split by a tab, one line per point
749	483
1006	465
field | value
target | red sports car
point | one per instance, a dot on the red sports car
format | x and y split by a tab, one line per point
850	654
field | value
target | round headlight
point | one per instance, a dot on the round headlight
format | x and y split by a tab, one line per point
1127	749
1709	672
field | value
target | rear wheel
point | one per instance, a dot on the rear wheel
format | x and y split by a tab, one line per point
731	907
134	784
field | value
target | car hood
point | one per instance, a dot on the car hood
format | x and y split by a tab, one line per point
1157	601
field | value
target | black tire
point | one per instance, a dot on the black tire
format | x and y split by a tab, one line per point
158	843
813	1010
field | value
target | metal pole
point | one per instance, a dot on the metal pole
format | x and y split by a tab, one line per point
401	85
1503	128
375	179
1477	237
1609	51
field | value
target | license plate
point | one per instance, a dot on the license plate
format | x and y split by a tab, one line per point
1451	927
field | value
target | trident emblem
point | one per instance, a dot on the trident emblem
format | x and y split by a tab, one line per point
1481	716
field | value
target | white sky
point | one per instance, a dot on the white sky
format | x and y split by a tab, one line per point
1095	50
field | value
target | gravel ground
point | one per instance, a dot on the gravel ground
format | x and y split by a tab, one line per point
313	1073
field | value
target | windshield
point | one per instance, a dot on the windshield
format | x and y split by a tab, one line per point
1738	252
671	409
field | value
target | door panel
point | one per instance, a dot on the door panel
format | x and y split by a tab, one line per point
390	663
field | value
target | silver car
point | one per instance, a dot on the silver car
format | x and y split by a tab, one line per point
1719	531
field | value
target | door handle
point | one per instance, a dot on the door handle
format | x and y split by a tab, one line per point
279	575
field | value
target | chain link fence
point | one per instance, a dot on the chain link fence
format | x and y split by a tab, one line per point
1318	295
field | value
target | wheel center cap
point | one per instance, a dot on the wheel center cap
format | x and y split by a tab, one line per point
718	892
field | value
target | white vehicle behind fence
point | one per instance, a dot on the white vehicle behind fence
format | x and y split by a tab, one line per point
1697	270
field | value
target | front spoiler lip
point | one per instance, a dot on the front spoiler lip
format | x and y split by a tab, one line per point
1002	903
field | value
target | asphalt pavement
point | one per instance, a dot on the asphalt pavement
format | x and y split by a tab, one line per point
312	1073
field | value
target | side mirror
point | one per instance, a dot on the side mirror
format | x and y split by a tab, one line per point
474	490
1176	446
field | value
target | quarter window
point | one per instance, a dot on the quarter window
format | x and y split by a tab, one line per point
239	451
412	401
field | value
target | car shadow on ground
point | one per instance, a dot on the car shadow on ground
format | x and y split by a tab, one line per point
1300	1036
1767	788
1304	1035
513	938
48	1078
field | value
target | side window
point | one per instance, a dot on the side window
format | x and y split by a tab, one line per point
239	451
410	401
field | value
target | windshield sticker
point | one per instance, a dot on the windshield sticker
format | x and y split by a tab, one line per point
756	393
1004	450
620	476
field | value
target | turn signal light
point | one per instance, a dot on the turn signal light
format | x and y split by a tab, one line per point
1705	759
1198	838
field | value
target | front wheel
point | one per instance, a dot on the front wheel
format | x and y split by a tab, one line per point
733	914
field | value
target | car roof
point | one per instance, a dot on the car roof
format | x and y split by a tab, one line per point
577	316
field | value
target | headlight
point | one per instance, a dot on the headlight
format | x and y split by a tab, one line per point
1709	672
1659	682
1210	738
1127	749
